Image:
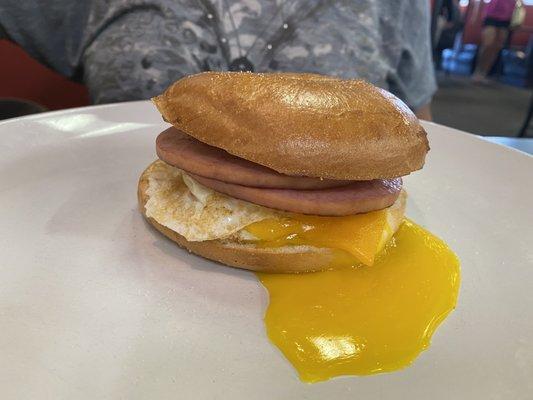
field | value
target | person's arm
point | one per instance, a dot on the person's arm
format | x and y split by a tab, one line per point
424	112
122	50
413	80
139	52
49	31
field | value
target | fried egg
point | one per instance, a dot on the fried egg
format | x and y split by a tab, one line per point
376	308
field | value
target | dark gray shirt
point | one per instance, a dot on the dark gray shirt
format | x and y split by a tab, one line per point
127	49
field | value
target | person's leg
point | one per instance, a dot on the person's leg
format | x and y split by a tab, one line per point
501	37
487	53
499	44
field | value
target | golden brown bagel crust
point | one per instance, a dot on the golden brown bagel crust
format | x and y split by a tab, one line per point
299	124
287	259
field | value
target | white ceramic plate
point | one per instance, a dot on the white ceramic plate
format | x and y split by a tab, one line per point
94	304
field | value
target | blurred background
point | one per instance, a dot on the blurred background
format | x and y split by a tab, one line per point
495	102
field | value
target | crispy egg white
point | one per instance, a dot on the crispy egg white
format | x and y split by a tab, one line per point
194	211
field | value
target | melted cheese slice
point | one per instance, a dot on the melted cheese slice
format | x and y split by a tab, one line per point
360	235
358	238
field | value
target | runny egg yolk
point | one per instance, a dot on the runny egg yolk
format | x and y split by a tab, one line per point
358	320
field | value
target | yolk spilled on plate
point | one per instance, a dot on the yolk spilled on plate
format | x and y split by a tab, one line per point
356	319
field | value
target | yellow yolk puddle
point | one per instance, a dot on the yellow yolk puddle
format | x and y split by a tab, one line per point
360	320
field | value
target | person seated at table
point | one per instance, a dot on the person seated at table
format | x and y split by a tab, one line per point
128	50
498	14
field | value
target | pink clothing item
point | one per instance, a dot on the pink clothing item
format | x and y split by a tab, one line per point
501	10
